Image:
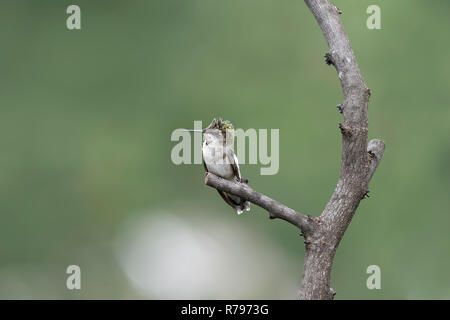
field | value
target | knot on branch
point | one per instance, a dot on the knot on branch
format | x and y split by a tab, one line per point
348	131
329	59
365	195
345	130
368	93
337	9
333	292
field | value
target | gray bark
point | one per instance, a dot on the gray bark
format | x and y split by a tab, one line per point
359	161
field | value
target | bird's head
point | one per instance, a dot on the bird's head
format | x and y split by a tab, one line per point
222	129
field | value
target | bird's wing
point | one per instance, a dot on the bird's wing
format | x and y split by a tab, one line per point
225	196
233	160
228	199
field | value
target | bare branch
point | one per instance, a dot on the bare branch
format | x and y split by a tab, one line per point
358	164
359	161
276	210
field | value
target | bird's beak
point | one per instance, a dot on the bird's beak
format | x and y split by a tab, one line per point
201	131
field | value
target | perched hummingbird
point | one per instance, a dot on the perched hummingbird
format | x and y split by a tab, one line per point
219	158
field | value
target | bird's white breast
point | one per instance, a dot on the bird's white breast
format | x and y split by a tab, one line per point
216	161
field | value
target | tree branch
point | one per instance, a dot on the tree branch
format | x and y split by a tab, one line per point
276	210
358	164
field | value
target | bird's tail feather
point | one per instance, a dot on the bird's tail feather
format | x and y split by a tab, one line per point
237	203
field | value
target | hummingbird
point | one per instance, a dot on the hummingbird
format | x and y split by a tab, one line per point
219	158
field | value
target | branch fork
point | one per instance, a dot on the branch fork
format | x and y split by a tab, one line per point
359	162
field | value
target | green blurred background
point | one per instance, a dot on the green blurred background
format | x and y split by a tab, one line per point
85	171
